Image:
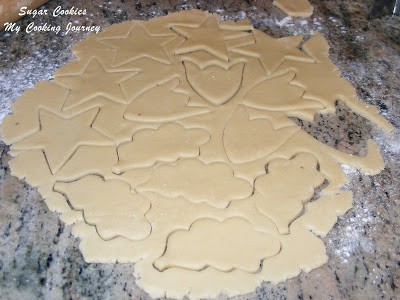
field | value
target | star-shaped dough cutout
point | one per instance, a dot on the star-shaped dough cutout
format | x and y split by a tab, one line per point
94	81
129	48
60	137
208	37
278	50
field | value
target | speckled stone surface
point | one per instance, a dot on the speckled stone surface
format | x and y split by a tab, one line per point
39	258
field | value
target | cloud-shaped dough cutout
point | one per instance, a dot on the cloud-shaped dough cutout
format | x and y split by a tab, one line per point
166	144
228	245
109	205
212	183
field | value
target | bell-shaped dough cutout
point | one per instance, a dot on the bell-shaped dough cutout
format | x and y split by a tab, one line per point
214	83
225	246
162	103
276	200
214	184
109	205
276	93
165	144
247	140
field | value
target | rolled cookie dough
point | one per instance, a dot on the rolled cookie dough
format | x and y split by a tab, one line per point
169	144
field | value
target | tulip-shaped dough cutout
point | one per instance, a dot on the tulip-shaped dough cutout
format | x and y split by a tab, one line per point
215	84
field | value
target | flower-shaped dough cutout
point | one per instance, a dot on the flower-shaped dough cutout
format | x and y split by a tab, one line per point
196	179
279	203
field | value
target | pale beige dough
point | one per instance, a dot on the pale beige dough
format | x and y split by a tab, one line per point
265	95
280	204
189	177
208	37
45	95
151	145
246	140
128	49
123	216
279	50
228	81
94	81
169	144
162	103
59	145
295	8
185	248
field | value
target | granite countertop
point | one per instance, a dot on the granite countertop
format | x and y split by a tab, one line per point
39	257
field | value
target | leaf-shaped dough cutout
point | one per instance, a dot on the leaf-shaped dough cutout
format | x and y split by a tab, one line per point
109	205
276	93
284	204
166	144
213	183
214	83
161	103
247	140
228	245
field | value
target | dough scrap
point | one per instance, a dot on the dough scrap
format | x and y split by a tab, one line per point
295	8
169	144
